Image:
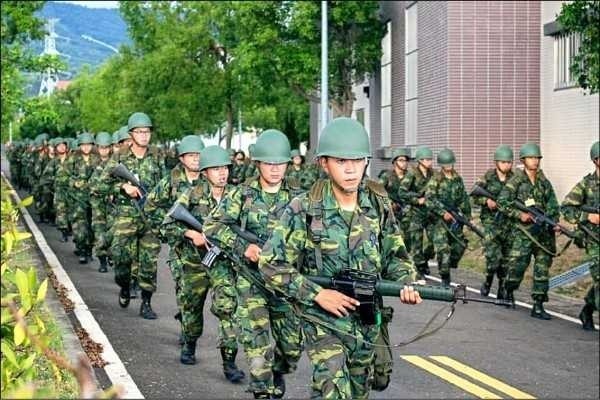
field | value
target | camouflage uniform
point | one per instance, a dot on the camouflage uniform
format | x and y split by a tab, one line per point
81	170
101	211
196	279
497	228
258	311
416	182
237	173
364	240
586	192
58	172
250	172
42	206
133	242
523	248
391	182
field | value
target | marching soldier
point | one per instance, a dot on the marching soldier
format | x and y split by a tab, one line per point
390	180
255	206
531	187
496	226
587	193
343	222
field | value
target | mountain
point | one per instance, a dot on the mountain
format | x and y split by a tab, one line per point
102	24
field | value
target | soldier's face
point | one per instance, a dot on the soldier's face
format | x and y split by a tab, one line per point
115	147
141	136
86	148
426	162
272	174
104	151
447	168
217	176
531	163
297	160
345	173
401	163
190	161
504	166
61	148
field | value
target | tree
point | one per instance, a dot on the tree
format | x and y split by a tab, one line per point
583	18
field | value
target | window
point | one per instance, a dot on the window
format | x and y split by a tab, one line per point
566	46
386	88
411	62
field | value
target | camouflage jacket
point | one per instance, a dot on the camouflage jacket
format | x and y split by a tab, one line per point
367	239
98	189
490	182
164	194
539	194
149	170
443	192
586	192
414	182
80	173
391	182
41	160
58	172
236	174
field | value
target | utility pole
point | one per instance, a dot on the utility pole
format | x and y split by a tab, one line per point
240	128
324	70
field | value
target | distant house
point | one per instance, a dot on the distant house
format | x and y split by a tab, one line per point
62	85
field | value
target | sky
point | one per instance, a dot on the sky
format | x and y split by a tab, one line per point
94	4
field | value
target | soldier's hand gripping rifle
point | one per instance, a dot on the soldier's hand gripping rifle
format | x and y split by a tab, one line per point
460	220
538	216
587	230
121	172
365	286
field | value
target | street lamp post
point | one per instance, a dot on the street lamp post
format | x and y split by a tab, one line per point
324	70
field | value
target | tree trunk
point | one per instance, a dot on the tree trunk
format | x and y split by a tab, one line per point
229	125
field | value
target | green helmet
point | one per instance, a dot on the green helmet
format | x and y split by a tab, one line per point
530	150
446	157
272	146
60	140
214	156
503	153
123	133
115	137
595	151
85	138
190	144
344	138
424	153
74	143
401	152
138	120
295	153
103	139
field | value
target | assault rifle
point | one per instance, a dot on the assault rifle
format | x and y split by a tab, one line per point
587	230
460	220
121	172
539	217
365	287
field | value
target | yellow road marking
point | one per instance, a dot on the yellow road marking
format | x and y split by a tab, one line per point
450	377
483	378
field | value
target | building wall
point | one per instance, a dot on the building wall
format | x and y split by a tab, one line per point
569	119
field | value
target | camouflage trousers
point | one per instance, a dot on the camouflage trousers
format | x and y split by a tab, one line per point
420	252
497	243
61	202
261	315
133	244
82	227
195	281
342	365
176	268
448	249
100	228
593	295
43	202
521	251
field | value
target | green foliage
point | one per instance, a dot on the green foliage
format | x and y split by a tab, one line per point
583	17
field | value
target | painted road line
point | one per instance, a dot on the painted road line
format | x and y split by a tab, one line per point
451	377
483	378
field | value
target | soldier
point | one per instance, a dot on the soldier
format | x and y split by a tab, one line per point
587	193
343	222
41	160
296	168
412	192
251	171
132	243
256	205
197	279
390	180
57	175
497	228
82	166
182	177
530	240
238	168
99	201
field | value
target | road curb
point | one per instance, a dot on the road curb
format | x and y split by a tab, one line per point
115	369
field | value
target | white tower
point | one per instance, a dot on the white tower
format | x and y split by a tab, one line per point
50	76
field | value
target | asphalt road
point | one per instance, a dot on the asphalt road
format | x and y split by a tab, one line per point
484	351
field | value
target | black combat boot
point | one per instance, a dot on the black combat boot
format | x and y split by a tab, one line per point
501	290
124	297
134	288
103	267
485	287
146	311
232	373
538	311
188	352
65	236
445	280
181	339
262	395
279	383
83	258
586	316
